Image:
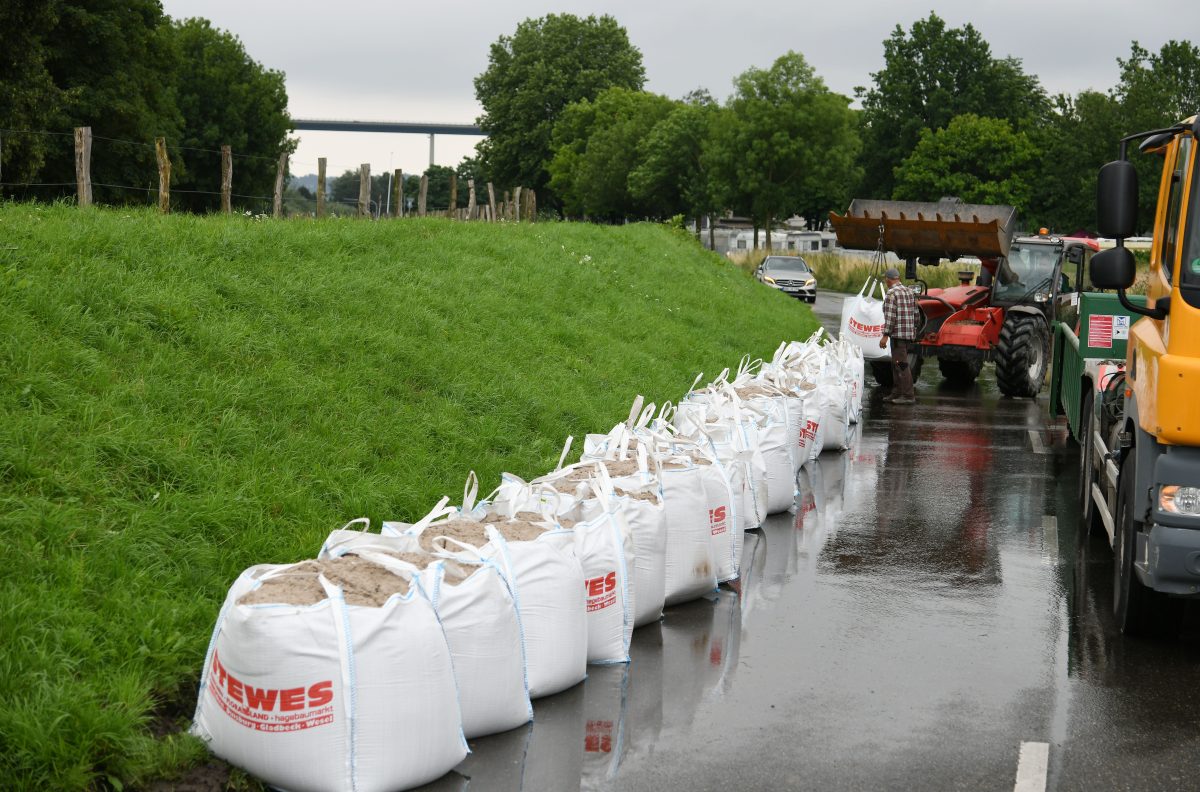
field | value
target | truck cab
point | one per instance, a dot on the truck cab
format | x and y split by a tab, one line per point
1137	416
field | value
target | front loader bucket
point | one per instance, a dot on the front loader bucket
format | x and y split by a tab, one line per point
918	229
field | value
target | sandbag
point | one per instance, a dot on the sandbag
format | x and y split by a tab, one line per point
483	628
690	572
862	320
604	545
546	580
326	694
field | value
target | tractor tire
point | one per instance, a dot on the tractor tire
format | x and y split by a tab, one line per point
960	372
1022	355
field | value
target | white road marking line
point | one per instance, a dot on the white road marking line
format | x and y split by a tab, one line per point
1035	440
1032	766
1050	537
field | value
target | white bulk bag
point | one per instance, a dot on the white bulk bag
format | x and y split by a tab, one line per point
690	572
834	401
641	508
862	320
812	438
547	584
604	545
330	696
482	625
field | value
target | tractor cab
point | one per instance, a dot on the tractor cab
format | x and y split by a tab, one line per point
1038	270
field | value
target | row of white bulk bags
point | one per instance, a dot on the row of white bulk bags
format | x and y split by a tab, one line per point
330	675
475	604
732	436
573	492
604	544
690	572
546	579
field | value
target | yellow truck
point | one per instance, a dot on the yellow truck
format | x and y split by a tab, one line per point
1127	376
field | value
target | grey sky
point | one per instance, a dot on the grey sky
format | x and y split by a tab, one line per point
410	61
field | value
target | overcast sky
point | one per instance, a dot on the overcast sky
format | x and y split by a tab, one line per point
398	60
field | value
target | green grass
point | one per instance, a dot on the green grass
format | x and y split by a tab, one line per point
182	397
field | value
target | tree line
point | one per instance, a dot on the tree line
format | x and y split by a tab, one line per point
132	73
565	111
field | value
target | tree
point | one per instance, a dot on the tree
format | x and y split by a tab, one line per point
977	159
670	175
930	75
113	61
29	98
786	144
226	98
1074	140
533	75
1155	91
596	149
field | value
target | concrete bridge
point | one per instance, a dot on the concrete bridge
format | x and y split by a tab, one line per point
402	127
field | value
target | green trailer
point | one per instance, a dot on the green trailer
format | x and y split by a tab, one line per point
1091	332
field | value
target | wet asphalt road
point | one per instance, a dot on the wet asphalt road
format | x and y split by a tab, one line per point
925	610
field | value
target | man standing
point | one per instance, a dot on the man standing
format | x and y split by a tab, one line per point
900	326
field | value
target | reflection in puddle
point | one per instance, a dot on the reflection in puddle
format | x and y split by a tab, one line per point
580	738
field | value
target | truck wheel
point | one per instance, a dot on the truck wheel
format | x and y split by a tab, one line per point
1087	471
960	372
1022	354
1131	600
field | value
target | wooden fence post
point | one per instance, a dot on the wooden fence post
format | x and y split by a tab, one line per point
320	187
422	194
397	193
452	211
364	190
491	202
227	179
164	175
280	169
83	165
470	199
532	206
517	203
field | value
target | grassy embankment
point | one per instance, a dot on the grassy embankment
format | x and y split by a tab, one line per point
182	397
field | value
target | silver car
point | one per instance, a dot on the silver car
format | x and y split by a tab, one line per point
790	274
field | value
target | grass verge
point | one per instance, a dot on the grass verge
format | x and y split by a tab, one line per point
182	397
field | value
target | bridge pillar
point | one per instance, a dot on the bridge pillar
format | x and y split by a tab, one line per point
431	149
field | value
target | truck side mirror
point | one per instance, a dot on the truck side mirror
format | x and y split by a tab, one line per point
1116	199
1114	268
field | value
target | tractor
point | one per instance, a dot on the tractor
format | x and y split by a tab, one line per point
1004	316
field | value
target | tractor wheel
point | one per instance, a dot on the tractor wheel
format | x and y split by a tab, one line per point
1022	355
960	372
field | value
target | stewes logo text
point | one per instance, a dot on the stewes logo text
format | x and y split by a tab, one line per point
271	709
716	520
865	330
601	591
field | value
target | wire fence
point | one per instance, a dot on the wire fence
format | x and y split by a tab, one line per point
49	165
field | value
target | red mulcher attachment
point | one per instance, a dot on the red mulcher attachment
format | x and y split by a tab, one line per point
959	325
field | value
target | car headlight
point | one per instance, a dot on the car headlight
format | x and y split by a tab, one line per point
1179	500
767	279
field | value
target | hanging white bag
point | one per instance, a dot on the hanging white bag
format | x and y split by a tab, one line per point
308	691
862	320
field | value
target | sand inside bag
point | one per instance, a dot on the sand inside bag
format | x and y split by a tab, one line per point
362	582
474	533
